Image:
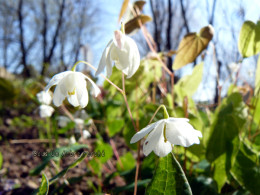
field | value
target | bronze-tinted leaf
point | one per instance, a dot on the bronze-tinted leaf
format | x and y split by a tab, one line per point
123	9
133	24
139	5
191	46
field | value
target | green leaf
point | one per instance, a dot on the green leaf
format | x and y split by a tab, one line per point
257	78
189	84
64	171
44	187
204	185
223	140
114	126
246	169
228	120
127	162
105	149
249	39
7	90
56	154
168	178
191	46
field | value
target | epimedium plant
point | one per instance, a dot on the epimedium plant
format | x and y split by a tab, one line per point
226	155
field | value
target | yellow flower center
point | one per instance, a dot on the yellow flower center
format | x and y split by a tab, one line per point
72	93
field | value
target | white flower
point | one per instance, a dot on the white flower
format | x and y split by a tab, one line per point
79	123
124	52
45	111
44	97
86	134
165	133
72	85
72	140
63	121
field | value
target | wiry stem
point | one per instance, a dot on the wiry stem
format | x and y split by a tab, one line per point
165	112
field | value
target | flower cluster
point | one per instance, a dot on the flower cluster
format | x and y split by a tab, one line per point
45	110
123	52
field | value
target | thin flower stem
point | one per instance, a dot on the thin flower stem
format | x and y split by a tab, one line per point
91	66
48	129
137	167
165	112
138	145
126	102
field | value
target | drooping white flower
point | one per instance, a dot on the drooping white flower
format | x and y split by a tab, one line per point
44	97
45	110
124	52
71	85
86	134
165	133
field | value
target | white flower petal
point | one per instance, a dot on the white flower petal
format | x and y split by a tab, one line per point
44	97
143	132
102	62
83	99
95	87
109	62
153	138
162	148
86	134
58	97
45	111
73	100
56	79
182	133
81	91
134	58
171	119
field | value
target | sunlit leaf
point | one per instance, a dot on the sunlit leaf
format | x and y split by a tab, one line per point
249	39
257	78
44	187
133	24
228	120
127	162
191	46
168	178
139	5
246	169
189	84
123	9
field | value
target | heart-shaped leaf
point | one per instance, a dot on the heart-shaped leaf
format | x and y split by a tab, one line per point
249	39
191	46
168	178
133	24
